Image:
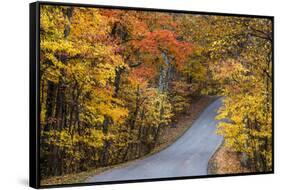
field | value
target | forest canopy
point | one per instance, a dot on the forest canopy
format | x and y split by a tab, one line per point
111	81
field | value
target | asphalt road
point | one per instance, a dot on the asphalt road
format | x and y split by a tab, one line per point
188	156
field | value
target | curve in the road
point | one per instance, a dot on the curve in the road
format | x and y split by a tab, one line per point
188	156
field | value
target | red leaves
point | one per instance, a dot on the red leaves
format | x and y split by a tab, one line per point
149	34
166	41
144	73
147	38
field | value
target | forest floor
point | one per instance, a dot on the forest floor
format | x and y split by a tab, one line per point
225	161
170	135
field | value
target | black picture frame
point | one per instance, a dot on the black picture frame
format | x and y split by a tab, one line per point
34	89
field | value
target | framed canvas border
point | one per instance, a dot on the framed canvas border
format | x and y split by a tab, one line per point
34	89
34	86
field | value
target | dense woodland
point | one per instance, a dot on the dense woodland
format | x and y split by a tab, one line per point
112	80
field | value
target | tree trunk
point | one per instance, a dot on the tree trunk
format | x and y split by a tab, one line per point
117	80
135	113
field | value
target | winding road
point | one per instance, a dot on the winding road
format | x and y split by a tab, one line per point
188	156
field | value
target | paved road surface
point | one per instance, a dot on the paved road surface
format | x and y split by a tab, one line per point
188	156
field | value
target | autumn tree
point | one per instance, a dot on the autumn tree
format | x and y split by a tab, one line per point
243	67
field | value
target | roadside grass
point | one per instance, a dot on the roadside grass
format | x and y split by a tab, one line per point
167	137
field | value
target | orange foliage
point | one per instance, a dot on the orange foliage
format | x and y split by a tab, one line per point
160	41
143	73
